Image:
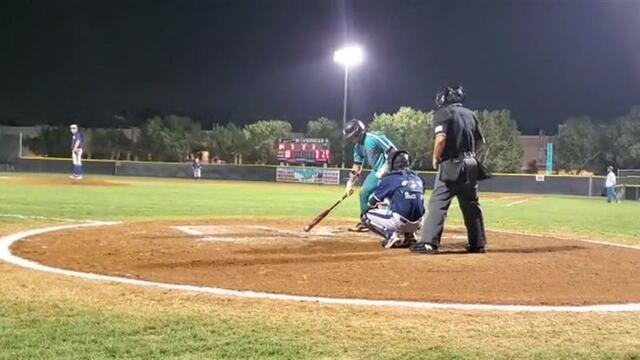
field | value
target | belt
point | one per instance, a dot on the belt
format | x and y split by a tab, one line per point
463	155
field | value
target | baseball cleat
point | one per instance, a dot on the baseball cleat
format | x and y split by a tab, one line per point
359	227
400	241
474	250
423	248
409	240
392	241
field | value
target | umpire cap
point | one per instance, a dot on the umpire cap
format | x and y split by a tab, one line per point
450	95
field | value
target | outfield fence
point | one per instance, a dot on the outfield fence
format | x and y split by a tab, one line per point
9	149
507	183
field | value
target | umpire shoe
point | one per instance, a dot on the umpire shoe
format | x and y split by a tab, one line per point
423	248
474	250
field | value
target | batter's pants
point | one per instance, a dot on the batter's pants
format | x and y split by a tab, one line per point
369	186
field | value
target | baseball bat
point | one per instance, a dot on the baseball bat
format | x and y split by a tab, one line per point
324	213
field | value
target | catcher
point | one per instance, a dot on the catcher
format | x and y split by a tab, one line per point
404	190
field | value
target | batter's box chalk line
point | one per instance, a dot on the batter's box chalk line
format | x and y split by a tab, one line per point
233	233
7	256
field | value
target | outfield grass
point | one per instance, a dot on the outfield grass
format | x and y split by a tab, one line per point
152	198
44	316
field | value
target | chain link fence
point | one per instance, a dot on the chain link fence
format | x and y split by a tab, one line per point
9	150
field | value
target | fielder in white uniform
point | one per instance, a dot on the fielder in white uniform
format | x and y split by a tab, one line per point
610	185
197	169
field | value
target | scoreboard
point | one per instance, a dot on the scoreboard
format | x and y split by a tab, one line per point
303	151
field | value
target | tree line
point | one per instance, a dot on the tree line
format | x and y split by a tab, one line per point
176	138
585	144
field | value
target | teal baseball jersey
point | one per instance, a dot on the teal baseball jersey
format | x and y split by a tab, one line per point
373	150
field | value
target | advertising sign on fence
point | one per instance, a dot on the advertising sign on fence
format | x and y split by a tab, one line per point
310	175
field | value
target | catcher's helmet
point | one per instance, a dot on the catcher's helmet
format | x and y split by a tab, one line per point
398	160
450	95
353	129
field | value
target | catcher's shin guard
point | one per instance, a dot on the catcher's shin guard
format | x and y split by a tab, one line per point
376	229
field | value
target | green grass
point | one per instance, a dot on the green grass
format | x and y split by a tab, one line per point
49	317
64	332
151	199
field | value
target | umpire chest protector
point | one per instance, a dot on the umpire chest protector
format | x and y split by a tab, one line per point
460	127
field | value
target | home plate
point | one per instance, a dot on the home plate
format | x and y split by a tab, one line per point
253	233
323	231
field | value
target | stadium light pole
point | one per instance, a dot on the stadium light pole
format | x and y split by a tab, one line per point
348	57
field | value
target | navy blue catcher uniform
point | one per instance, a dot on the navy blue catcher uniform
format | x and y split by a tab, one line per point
404	190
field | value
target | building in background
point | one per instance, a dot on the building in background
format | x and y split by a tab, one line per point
534	155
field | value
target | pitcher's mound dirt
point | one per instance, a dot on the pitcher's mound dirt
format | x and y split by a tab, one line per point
277	257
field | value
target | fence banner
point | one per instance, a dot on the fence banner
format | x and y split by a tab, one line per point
310	175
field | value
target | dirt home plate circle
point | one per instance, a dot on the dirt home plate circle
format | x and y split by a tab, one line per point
271	256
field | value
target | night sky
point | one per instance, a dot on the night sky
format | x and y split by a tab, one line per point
86	60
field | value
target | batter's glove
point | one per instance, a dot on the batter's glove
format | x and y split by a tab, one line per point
349	188
351	182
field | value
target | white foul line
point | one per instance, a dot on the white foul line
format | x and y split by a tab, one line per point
516	202
560	237
7	256
17	216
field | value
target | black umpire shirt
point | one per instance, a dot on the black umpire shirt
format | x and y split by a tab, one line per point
460	126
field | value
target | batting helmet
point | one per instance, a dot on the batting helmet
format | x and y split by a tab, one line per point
353	129
398	160
450	95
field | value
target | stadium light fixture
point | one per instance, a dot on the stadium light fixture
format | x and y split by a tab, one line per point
347	56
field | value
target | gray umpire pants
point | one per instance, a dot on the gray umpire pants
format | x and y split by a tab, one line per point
466	190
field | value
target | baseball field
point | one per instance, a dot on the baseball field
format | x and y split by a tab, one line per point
138	268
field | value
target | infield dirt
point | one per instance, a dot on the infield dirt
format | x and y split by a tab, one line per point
276	256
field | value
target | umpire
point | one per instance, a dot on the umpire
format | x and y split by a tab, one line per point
456	135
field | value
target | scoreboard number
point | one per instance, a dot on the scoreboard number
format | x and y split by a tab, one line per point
304	151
